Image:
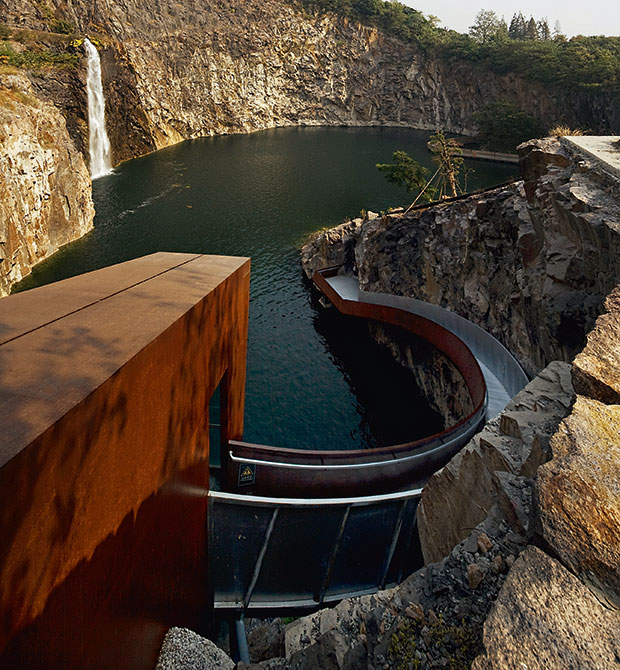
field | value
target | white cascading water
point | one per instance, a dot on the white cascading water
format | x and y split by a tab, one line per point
99	143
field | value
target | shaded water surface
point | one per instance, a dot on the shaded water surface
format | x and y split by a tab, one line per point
315	379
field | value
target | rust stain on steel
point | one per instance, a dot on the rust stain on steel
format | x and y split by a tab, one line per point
297	482
104	397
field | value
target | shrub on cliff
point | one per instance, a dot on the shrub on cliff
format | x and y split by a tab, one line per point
407	172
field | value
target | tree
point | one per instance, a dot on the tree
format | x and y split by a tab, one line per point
449	163
503	125
531	29
487	27
516	31
544	33
407	172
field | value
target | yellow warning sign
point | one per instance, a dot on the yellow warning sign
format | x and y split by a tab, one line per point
247	474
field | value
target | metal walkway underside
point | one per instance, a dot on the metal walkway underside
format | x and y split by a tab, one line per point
278	554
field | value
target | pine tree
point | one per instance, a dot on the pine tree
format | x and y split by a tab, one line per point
544	33
516	31
531	30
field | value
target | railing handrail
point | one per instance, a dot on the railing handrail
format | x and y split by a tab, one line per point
251	500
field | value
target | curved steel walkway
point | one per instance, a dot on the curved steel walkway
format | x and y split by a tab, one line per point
503	375
483	362
275	553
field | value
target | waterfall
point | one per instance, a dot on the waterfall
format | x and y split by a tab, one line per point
99	144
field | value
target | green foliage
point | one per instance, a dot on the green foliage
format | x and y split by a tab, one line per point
503	126
460	643
63	27
523	48
45	10
392	18
449	164
488	27
37	60
579	63
407	172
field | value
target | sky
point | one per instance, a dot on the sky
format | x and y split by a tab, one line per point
596	17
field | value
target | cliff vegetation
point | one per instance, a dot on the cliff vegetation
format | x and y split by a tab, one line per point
581	63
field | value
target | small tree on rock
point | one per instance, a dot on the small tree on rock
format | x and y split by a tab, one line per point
407	172
449	162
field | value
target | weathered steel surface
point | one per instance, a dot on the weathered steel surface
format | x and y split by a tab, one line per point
104	393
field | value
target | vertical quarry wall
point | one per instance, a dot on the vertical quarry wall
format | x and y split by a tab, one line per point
45	194
173	71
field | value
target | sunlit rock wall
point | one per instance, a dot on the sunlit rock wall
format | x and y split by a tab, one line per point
45	194
182	70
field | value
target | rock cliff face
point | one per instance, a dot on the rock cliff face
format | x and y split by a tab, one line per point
45	195
174	71
530	262
182	70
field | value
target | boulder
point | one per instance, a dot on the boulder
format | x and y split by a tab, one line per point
579	492
185	650
544	617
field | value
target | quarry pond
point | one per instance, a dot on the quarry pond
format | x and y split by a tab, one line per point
315	379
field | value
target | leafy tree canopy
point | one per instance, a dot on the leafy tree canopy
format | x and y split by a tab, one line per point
407	172
487	27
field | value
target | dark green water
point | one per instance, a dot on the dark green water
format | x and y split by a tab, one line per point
315	379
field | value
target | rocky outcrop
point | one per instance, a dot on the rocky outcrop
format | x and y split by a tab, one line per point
45	195
531	262
496	467
578	490
435	376
432	620
545	617
596	370
546	468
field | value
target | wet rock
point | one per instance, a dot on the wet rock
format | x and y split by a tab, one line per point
545	617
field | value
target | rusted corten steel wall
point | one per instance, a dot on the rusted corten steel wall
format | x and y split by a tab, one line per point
105	381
